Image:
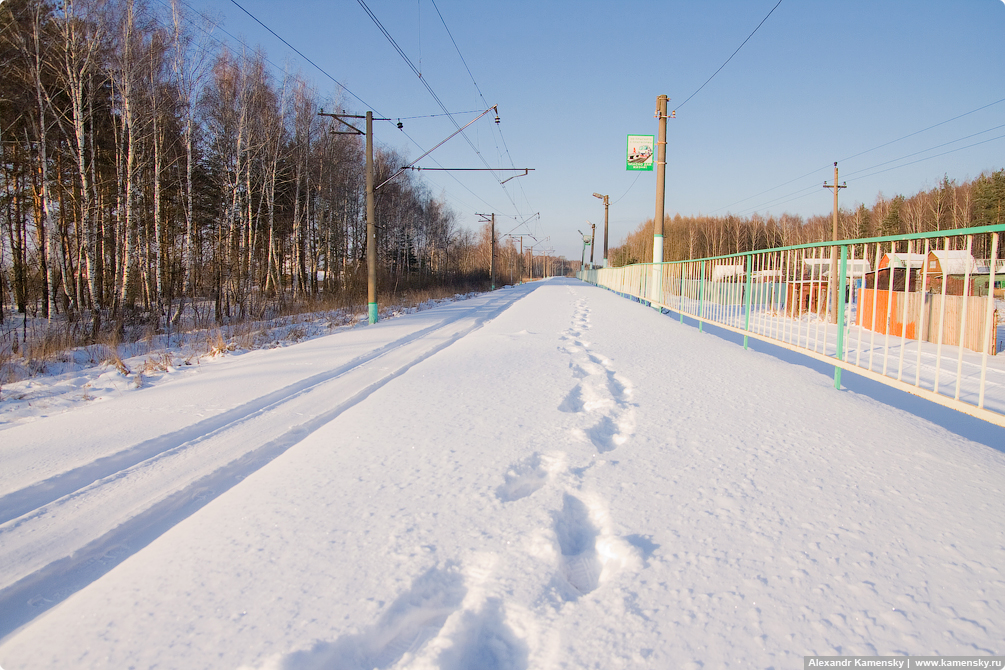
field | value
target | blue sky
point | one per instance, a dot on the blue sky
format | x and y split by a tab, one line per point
819	82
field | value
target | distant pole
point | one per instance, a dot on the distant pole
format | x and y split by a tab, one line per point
661	166
833	279
371	227
521	259
606	206
593	238
606	200
492	261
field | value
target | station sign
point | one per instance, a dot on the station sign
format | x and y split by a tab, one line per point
639	154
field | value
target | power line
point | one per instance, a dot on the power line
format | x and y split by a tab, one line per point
771	189
938	146
430	116
731	57
629	189
458	49
992	139
325	73
300	53
862	153
411	65
502	137
810	189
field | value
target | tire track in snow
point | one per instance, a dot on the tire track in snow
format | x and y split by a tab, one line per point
62	565
27	499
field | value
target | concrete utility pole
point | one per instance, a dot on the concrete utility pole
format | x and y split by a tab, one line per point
371	226
607	204
833	280
593	238
661	168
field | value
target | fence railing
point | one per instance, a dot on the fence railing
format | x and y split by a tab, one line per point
923	313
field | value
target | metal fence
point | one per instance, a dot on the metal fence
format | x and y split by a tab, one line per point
921	313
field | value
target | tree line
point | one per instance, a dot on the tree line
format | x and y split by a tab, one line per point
145	172
949	205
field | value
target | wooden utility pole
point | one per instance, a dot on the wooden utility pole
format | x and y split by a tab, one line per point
833	279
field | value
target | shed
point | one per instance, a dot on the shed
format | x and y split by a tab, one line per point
821	267
901	261
766	275
728	272
951	263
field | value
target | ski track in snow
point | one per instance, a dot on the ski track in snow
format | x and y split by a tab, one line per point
56	535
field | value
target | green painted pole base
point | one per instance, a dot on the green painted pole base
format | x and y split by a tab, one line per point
745	342
372	309
837	378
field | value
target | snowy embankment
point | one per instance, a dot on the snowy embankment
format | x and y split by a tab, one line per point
544	477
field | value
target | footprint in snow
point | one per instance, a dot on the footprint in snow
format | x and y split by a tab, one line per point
528	475
577	541
590	553
413	619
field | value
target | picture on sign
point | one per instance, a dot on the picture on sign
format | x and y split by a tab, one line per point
640	152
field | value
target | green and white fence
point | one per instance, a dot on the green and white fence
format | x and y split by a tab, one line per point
923	313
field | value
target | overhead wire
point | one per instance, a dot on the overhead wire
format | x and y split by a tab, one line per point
301	54
992	139
426	85
851	175
938	146
480	94
918	132
324	72
629	189
731	56
319	69
862	153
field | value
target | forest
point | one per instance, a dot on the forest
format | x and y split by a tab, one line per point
146	172
950	205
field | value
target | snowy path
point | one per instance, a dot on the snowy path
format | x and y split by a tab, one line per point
545	477
58	533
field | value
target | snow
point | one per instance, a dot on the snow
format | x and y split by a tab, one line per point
547	476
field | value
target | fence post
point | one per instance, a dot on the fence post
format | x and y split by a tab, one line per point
701	298
840	314
746	290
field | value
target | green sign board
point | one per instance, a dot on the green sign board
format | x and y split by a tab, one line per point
640	153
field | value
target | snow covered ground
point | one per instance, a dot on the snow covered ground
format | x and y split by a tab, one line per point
547	476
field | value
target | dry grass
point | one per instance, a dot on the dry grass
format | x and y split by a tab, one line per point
54	342
108	349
